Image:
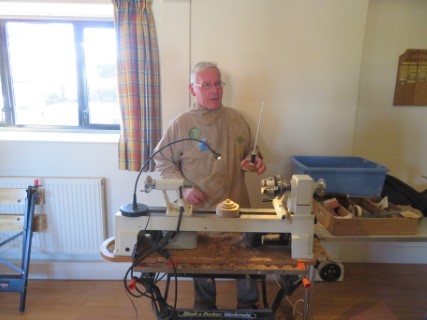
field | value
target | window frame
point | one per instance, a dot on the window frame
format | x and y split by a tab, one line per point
82	88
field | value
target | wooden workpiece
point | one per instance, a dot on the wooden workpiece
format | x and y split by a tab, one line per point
15	222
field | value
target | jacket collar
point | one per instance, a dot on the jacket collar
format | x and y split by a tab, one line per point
207	114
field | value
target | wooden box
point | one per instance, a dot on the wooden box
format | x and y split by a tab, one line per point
337	225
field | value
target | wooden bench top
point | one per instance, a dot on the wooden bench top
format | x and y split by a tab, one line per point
222	253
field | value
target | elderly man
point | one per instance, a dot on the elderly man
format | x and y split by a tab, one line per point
226	131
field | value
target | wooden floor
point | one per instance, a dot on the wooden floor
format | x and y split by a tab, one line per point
369	291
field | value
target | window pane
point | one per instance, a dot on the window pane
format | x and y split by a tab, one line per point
43	67
100	55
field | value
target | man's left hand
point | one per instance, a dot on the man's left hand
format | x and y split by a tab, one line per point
259	164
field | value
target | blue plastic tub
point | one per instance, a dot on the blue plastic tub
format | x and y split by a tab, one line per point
354	176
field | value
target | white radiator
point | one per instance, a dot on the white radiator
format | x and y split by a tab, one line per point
76	224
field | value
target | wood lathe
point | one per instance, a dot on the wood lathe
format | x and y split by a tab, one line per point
291	214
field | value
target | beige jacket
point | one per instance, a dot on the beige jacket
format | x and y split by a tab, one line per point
226	131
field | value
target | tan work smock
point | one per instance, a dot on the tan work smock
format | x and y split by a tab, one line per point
227	132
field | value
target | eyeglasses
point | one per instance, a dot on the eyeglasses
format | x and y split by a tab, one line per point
209	85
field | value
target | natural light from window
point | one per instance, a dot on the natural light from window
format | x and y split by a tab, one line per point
43	69
100	53
59	68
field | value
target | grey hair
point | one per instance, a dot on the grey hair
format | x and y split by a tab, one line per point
202	66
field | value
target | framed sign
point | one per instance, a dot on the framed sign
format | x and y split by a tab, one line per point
411	79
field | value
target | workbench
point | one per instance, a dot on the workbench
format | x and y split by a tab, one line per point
225	255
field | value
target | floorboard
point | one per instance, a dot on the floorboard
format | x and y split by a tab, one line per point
369	291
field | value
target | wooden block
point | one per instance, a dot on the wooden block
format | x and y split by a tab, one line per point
40	222
17	196
11	222
13	196
15	222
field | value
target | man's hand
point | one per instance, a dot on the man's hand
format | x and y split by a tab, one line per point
194	196
259	164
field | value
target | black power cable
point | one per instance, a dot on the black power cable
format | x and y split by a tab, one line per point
148	243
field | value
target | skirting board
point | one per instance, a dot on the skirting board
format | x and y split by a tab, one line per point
377	252
77	270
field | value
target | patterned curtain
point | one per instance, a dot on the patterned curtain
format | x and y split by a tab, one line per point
138	75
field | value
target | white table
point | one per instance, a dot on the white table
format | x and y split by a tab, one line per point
376	248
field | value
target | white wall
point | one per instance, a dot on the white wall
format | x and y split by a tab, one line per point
393	136
302	58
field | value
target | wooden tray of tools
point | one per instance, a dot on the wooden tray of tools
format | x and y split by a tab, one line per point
364	216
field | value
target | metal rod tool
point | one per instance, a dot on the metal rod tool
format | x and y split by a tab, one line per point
254	152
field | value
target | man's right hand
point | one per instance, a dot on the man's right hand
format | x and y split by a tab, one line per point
194	196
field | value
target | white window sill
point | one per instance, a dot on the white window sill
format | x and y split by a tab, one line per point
44	136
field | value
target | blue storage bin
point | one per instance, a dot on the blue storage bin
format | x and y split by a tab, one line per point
351	175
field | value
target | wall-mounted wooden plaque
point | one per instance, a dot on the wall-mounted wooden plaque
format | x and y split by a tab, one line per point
411	80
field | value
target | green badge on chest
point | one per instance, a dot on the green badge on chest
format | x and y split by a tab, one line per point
194	133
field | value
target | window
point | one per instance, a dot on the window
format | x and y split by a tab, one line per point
59	73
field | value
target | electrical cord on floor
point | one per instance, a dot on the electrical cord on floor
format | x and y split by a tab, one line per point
290	283
295	311
130	299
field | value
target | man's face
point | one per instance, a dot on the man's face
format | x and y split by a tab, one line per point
208	98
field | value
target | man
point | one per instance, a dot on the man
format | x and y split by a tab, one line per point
225	130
